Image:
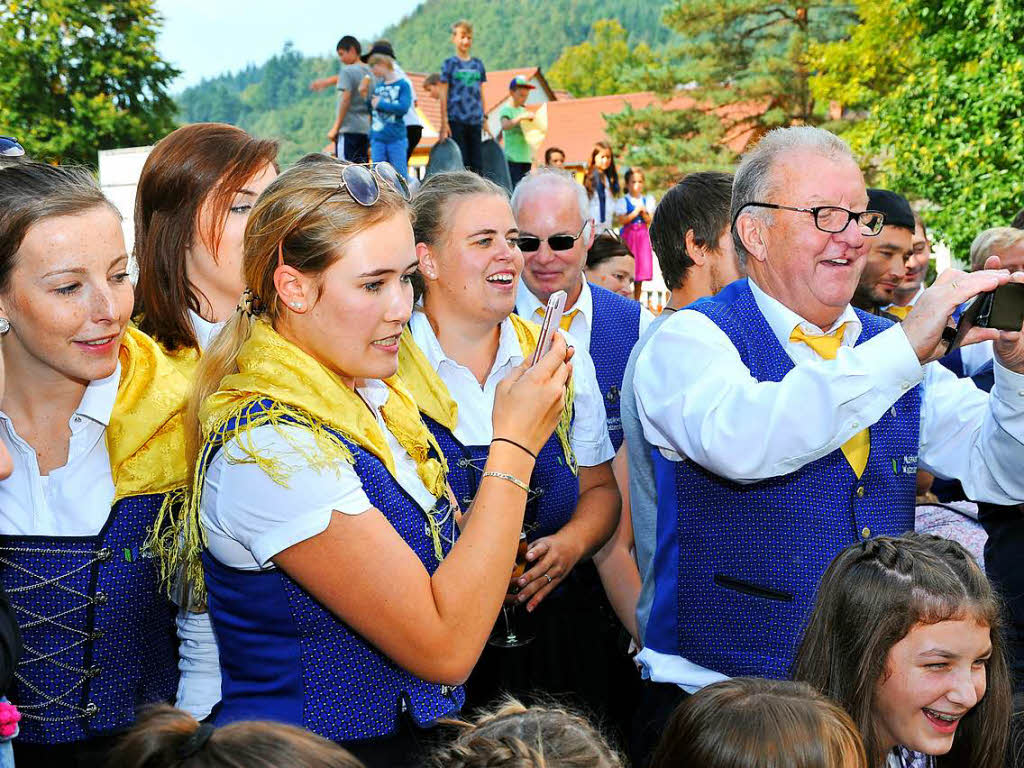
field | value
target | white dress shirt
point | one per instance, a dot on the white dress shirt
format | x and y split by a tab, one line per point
204	329
531	308
76	499
249	518
697	399
589	435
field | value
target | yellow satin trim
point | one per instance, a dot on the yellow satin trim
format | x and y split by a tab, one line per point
273	368
146	435
426	387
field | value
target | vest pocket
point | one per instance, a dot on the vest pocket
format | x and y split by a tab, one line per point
729	582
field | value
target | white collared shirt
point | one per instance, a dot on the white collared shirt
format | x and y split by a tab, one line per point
589	436
531	308
74	500
204	329
697	399
249	518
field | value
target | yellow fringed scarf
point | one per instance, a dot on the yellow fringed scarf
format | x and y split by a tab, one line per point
146	435
304	393
434	400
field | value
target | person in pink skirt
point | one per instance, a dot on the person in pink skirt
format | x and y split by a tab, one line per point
634	211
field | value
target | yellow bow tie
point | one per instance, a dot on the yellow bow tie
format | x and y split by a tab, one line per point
857	448
566	318
900	312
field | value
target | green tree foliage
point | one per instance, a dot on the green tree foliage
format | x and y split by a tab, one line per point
604	63
77	77
517	33
948	130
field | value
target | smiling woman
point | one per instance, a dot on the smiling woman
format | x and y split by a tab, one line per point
91	416
906	635
312	451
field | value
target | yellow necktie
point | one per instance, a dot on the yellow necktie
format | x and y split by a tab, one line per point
566	318
857	448
900	312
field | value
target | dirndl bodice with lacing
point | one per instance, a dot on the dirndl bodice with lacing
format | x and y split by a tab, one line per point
99	634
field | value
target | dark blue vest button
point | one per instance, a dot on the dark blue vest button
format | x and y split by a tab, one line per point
104	554
97	634
93	671
865	532
91	709
100	598
860	493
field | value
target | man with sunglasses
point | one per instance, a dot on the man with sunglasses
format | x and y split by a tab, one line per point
788	424
556	231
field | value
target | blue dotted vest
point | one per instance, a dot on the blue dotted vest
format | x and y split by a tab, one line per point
555	490
737	565
614	333
285	657
99	633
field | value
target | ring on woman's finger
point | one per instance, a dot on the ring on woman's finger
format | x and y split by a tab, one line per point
548	577
956	285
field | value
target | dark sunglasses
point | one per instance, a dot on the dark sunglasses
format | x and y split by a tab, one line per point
9	147
360	181
530	244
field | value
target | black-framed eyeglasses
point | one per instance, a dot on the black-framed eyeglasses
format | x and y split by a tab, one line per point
531	243
830	218
10	147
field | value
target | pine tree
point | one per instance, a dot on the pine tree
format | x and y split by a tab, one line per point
77	76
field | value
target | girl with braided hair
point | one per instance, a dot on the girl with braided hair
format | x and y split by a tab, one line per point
516	736
907	636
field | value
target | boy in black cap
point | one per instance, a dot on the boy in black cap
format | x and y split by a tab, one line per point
886	253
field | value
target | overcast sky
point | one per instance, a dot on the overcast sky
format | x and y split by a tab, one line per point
204	38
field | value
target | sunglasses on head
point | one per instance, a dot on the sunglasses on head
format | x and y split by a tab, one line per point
360	182
530	243
9	147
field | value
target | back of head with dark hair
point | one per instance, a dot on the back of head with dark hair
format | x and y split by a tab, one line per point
165	737
755	723
199	166
1018	220
699	202
607	245
31	192
873	593
432	79
514	736
347	43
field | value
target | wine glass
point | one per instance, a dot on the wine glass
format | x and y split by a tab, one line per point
513	636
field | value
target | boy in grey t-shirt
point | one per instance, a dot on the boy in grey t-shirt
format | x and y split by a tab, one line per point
351	130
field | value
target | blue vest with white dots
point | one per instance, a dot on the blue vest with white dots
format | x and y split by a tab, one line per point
555	489
98	631
285	657
614	333
737	565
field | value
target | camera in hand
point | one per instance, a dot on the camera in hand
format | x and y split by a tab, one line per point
1002	309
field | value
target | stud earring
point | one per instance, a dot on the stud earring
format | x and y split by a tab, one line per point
5	325
296	305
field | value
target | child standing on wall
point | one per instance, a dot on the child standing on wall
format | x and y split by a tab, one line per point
634	211
512	115
391	99
462	103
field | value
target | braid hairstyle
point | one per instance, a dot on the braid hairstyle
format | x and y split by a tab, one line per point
872	595
515	736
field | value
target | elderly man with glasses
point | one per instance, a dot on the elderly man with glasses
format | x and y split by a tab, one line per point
789	424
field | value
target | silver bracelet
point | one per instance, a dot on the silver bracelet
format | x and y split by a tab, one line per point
511	478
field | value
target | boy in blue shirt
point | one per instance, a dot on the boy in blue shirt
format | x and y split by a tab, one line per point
462	104
391	99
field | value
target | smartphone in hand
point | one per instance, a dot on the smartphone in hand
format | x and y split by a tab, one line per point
552	321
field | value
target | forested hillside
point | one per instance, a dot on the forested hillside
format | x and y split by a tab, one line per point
274	99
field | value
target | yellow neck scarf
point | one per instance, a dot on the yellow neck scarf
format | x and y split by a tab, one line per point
434	400
270	367
146	435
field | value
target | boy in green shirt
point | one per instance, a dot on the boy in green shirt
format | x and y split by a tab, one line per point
517	151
